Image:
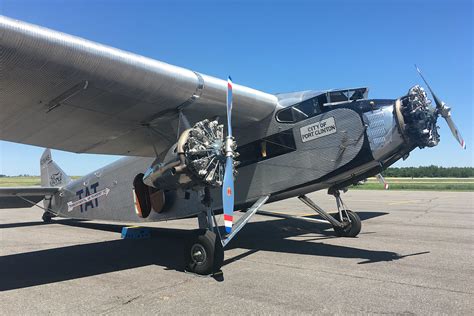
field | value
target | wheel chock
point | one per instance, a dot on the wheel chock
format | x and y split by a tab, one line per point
135	232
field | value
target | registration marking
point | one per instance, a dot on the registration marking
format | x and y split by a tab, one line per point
71	205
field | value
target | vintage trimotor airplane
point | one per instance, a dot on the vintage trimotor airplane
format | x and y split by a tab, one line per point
59	91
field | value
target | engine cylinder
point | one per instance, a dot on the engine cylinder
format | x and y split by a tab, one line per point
197	159
417	118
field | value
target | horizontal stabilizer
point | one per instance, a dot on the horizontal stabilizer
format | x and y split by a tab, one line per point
20	197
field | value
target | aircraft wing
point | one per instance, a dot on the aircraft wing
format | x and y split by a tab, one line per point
19	197
64	92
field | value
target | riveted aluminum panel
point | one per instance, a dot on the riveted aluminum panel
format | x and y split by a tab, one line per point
311	161
121	92
382	132
116	203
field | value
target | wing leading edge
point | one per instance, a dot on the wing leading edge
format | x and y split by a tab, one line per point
64	92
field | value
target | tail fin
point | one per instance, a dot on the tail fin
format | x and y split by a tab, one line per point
51	174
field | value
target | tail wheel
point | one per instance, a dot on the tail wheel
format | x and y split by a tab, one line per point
352	228
47	217
204	253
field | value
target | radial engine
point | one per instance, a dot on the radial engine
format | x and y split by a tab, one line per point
196	160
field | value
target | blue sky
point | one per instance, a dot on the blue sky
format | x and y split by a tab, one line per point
280	46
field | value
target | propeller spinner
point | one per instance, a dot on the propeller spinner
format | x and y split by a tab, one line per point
445	112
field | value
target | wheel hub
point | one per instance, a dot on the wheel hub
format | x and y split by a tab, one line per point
198	254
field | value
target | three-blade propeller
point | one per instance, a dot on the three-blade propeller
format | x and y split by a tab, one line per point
228	183
445	112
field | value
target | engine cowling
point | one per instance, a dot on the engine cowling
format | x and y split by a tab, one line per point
196	160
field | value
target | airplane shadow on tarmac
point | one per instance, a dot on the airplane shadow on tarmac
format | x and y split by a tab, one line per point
166	249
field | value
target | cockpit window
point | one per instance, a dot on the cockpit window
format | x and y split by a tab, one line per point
338	96
300	111
315	105
346	95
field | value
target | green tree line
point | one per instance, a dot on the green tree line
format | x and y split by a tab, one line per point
406	172
430	172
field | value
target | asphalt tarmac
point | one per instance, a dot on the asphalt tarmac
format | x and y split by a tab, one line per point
414	256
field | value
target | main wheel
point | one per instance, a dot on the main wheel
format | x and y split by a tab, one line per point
204	253
352	228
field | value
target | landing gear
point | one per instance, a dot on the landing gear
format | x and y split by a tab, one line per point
204	253
352	224
47	216
346	223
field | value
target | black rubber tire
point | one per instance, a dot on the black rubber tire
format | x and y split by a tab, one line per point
351	230
47	218
206	242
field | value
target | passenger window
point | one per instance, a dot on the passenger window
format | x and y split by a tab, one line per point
271	146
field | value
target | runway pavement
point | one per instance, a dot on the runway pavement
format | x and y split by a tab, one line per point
414	256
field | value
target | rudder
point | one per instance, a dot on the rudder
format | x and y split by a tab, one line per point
51	174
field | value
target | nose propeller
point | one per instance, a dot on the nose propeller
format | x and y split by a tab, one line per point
445	112
228	183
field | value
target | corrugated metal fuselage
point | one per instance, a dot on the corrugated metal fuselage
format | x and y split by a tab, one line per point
333	147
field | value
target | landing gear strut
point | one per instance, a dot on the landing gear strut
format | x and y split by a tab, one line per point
204	253
346	223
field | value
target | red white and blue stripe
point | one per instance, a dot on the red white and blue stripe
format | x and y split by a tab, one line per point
228	220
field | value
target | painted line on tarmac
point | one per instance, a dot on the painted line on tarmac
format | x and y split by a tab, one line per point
405	202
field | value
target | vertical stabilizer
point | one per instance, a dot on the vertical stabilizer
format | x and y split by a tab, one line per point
51	174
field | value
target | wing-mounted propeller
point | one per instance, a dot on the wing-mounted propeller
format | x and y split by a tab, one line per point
228	183
444	111
201	158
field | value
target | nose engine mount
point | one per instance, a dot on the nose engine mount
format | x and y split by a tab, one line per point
417	118
197	159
